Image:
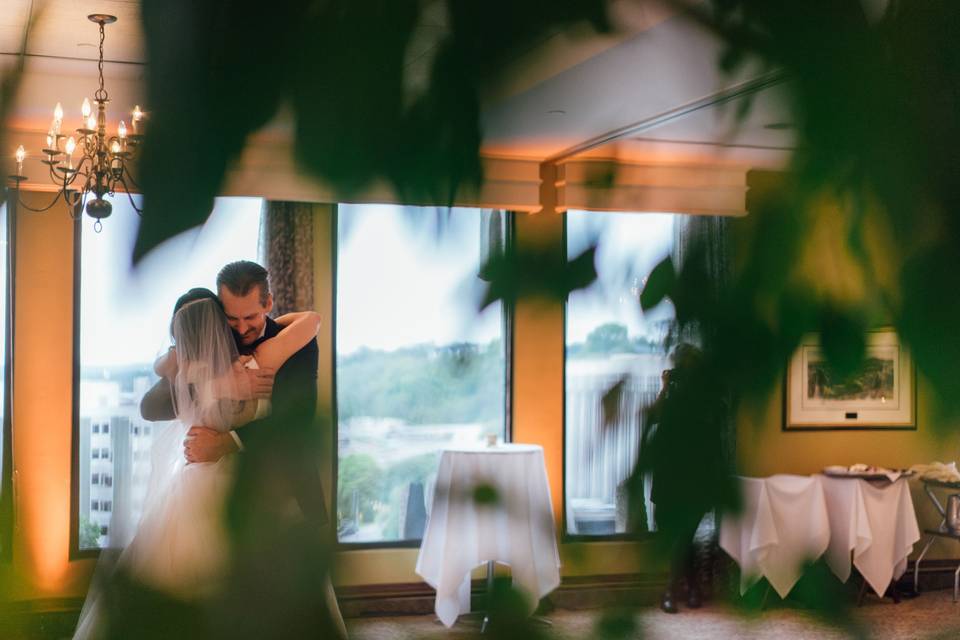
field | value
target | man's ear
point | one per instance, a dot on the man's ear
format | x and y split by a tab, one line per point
269	306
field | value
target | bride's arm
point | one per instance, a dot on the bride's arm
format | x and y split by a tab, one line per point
165	366
301	327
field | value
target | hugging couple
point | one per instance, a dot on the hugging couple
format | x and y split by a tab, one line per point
235	383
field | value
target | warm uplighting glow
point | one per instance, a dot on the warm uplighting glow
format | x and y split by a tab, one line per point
122	130
85	109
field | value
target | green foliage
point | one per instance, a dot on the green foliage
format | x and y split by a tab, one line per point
399	477
423	384
608	338
360	478
340	67
611	338
89	534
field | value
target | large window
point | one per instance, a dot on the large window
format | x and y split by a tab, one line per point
609	339
124	321
417	368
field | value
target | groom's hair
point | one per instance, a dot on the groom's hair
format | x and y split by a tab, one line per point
242	276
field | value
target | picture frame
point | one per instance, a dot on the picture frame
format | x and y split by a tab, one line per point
882	396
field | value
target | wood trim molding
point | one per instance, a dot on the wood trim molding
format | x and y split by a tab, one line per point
608	185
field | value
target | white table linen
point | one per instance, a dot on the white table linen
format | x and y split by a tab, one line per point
784	524
877	524
517	530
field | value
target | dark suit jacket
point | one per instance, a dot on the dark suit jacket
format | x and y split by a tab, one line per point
289	426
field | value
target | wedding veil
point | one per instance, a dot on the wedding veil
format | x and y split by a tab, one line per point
206	351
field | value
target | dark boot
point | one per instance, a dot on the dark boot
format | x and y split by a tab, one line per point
694	595
668	602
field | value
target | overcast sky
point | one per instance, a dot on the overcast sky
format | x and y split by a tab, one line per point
630	245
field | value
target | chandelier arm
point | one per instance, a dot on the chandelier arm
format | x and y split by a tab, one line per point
130	197
128	176
21	203
76	211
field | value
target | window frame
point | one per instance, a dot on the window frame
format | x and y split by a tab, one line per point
76	553
507	322
7	510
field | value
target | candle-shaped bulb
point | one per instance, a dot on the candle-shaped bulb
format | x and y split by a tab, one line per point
71	145
21	154
58	113
85	108
92	122
115	147
122	130
50	139
137	114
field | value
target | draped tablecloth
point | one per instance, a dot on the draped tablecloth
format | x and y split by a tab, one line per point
489	504
789	520
783	525
877	523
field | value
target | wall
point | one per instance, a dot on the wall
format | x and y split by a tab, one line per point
42	413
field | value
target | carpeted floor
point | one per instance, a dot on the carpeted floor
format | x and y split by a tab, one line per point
932	615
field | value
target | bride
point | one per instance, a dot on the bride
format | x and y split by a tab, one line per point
180	545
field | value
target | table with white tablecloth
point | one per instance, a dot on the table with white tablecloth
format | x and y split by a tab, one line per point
490	504
790	520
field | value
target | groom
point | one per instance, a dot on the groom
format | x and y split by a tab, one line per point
244	289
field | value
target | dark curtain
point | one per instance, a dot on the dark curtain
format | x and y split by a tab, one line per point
287	250
706	239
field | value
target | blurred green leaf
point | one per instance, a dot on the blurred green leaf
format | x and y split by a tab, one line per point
843	340
485	494
537	273
659	284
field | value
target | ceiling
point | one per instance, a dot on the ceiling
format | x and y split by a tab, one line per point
650	91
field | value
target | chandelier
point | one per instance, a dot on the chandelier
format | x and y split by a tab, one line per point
92	164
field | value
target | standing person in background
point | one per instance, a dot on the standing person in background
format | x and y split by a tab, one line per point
680	452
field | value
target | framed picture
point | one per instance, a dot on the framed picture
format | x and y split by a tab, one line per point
880	396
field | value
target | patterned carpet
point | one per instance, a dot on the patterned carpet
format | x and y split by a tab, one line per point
932	615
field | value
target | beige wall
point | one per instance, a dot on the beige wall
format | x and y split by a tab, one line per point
42	413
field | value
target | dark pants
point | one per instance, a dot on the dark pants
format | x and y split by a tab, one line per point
680	527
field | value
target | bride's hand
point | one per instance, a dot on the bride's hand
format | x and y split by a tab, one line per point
245	384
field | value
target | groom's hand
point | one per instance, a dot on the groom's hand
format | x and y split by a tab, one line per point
206	445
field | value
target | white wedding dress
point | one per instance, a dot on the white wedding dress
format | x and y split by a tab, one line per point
180	545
